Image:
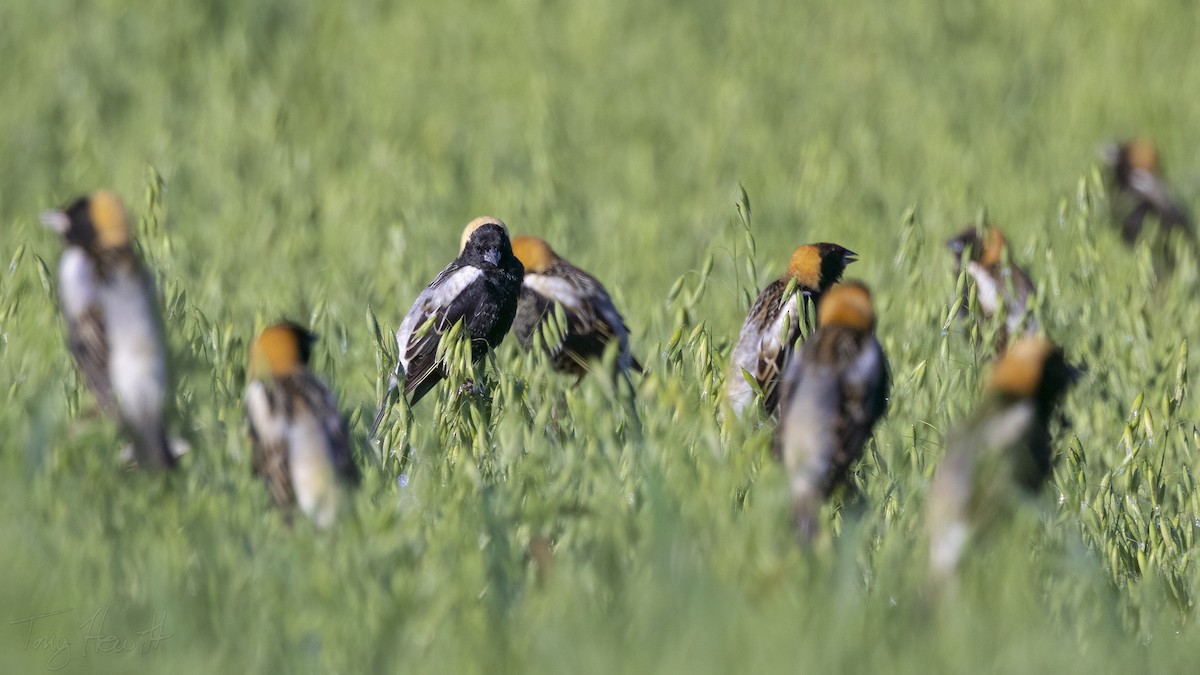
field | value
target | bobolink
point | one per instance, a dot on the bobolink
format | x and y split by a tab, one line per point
772	327
1139	188
833	392
114	330
301	448
1004	446
1000	282
592	322
480	288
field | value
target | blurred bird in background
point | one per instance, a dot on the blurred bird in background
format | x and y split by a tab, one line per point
114	330
1002	285
1000	452
1138	189
301	448
592	321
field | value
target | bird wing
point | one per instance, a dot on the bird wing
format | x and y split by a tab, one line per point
323	404
1152	189
765	345
592	319
87	340
267	421
86	336
443	303
864	395
806	437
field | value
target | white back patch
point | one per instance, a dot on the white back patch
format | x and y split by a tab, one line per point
76	282
432	300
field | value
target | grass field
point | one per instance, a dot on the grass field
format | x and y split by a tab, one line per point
318	160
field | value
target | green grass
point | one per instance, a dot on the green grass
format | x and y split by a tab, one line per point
318	161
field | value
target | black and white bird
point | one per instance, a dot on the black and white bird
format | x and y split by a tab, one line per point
833	393
1136	178
772	327
999	453
301	448
479	288
592	321
1001	283
114	329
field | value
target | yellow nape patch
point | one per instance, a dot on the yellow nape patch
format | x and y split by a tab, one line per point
1141	154
805	266
535	254
993	247
276	352
847	304
475	225
1019	371
108	218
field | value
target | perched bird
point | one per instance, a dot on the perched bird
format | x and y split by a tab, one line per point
772	328
301	448
1000	282
1137	181
114	330
592	322
480	288
833	392
1001	450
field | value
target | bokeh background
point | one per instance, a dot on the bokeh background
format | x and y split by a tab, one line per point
318	160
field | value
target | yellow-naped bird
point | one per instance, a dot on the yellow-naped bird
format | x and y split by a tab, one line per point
772	327
480	288
1001	283
833	392
592	320
1136	179
114	330
1001	451
301	448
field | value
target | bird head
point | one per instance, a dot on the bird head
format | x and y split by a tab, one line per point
984	246
816	267
1140	153
1032	367
96	222
281	349
485	237
847	304
1135	154
535	254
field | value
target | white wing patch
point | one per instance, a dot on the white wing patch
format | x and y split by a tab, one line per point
866	366
1150	186
989	293
789	316
429	303
76	282
1004	429
137	365
271	428
310	460
807	429
752	345
556	289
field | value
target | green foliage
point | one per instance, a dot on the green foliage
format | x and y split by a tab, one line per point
318	161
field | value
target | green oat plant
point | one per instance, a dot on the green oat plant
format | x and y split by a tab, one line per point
317	161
